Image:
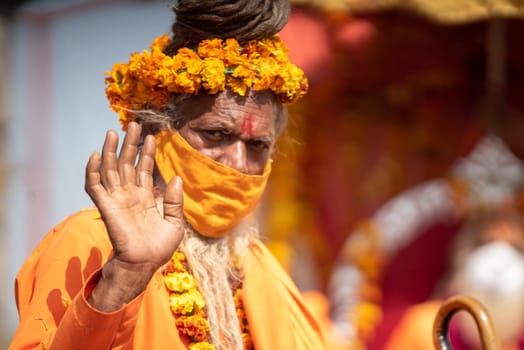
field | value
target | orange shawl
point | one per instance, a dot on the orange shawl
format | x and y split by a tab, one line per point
52	285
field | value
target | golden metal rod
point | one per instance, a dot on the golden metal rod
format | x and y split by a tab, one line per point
476	309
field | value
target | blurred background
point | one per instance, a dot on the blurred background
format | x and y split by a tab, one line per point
412	126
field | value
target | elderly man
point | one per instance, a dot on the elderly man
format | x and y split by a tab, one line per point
166	259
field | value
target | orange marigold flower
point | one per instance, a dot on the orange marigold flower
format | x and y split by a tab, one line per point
211	48
232	55
238	86
185	83
149	77
245	73
249	48
159	43
213	77
194	326
186	59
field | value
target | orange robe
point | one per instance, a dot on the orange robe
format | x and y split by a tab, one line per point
53	283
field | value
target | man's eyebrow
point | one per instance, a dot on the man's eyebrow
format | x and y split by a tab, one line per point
212	123
265	138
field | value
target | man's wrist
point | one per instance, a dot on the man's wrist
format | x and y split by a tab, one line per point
119	284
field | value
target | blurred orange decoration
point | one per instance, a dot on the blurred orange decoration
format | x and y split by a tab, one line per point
399	91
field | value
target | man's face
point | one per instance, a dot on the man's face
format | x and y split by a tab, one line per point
240	136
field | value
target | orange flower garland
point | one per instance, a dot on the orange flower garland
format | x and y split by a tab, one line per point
149	78
246	338
187	304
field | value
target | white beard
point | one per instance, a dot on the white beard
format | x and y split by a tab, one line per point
493	274
212	262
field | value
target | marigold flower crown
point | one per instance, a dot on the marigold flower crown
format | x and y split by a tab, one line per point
150	77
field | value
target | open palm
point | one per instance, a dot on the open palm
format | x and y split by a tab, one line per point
141	234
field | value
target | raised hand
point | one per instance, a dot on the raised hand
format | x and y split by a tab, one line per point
143	237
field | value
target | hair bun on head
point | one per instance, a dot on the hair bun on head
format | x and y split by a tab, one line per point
217	45
242	20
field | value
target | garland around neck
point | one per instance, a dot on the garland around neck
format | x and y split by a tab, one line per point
187	305
150	77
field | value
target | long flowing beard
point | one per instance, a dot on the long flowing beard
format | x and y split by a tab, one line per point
216	266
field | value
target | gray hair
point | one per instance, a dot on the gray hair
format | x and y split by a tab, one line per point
177	112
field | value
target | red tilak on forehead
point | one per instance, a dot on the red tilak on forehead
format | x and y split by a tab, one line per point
247	124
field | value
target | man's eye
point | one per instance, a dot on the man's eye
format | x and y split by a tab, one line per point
216	135
259	145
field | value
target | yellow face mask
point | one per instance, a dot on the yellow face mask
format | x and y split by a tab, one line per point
216	197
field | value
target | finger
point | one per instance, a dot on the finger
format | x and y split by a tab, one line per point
109	177
146	163
173	201
128	154
93	186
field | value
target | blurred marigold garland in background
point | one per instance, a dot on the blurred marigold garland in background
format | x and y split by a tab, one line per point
394	100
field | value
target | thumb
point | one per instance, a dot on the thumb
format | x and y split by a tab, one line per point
174	201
